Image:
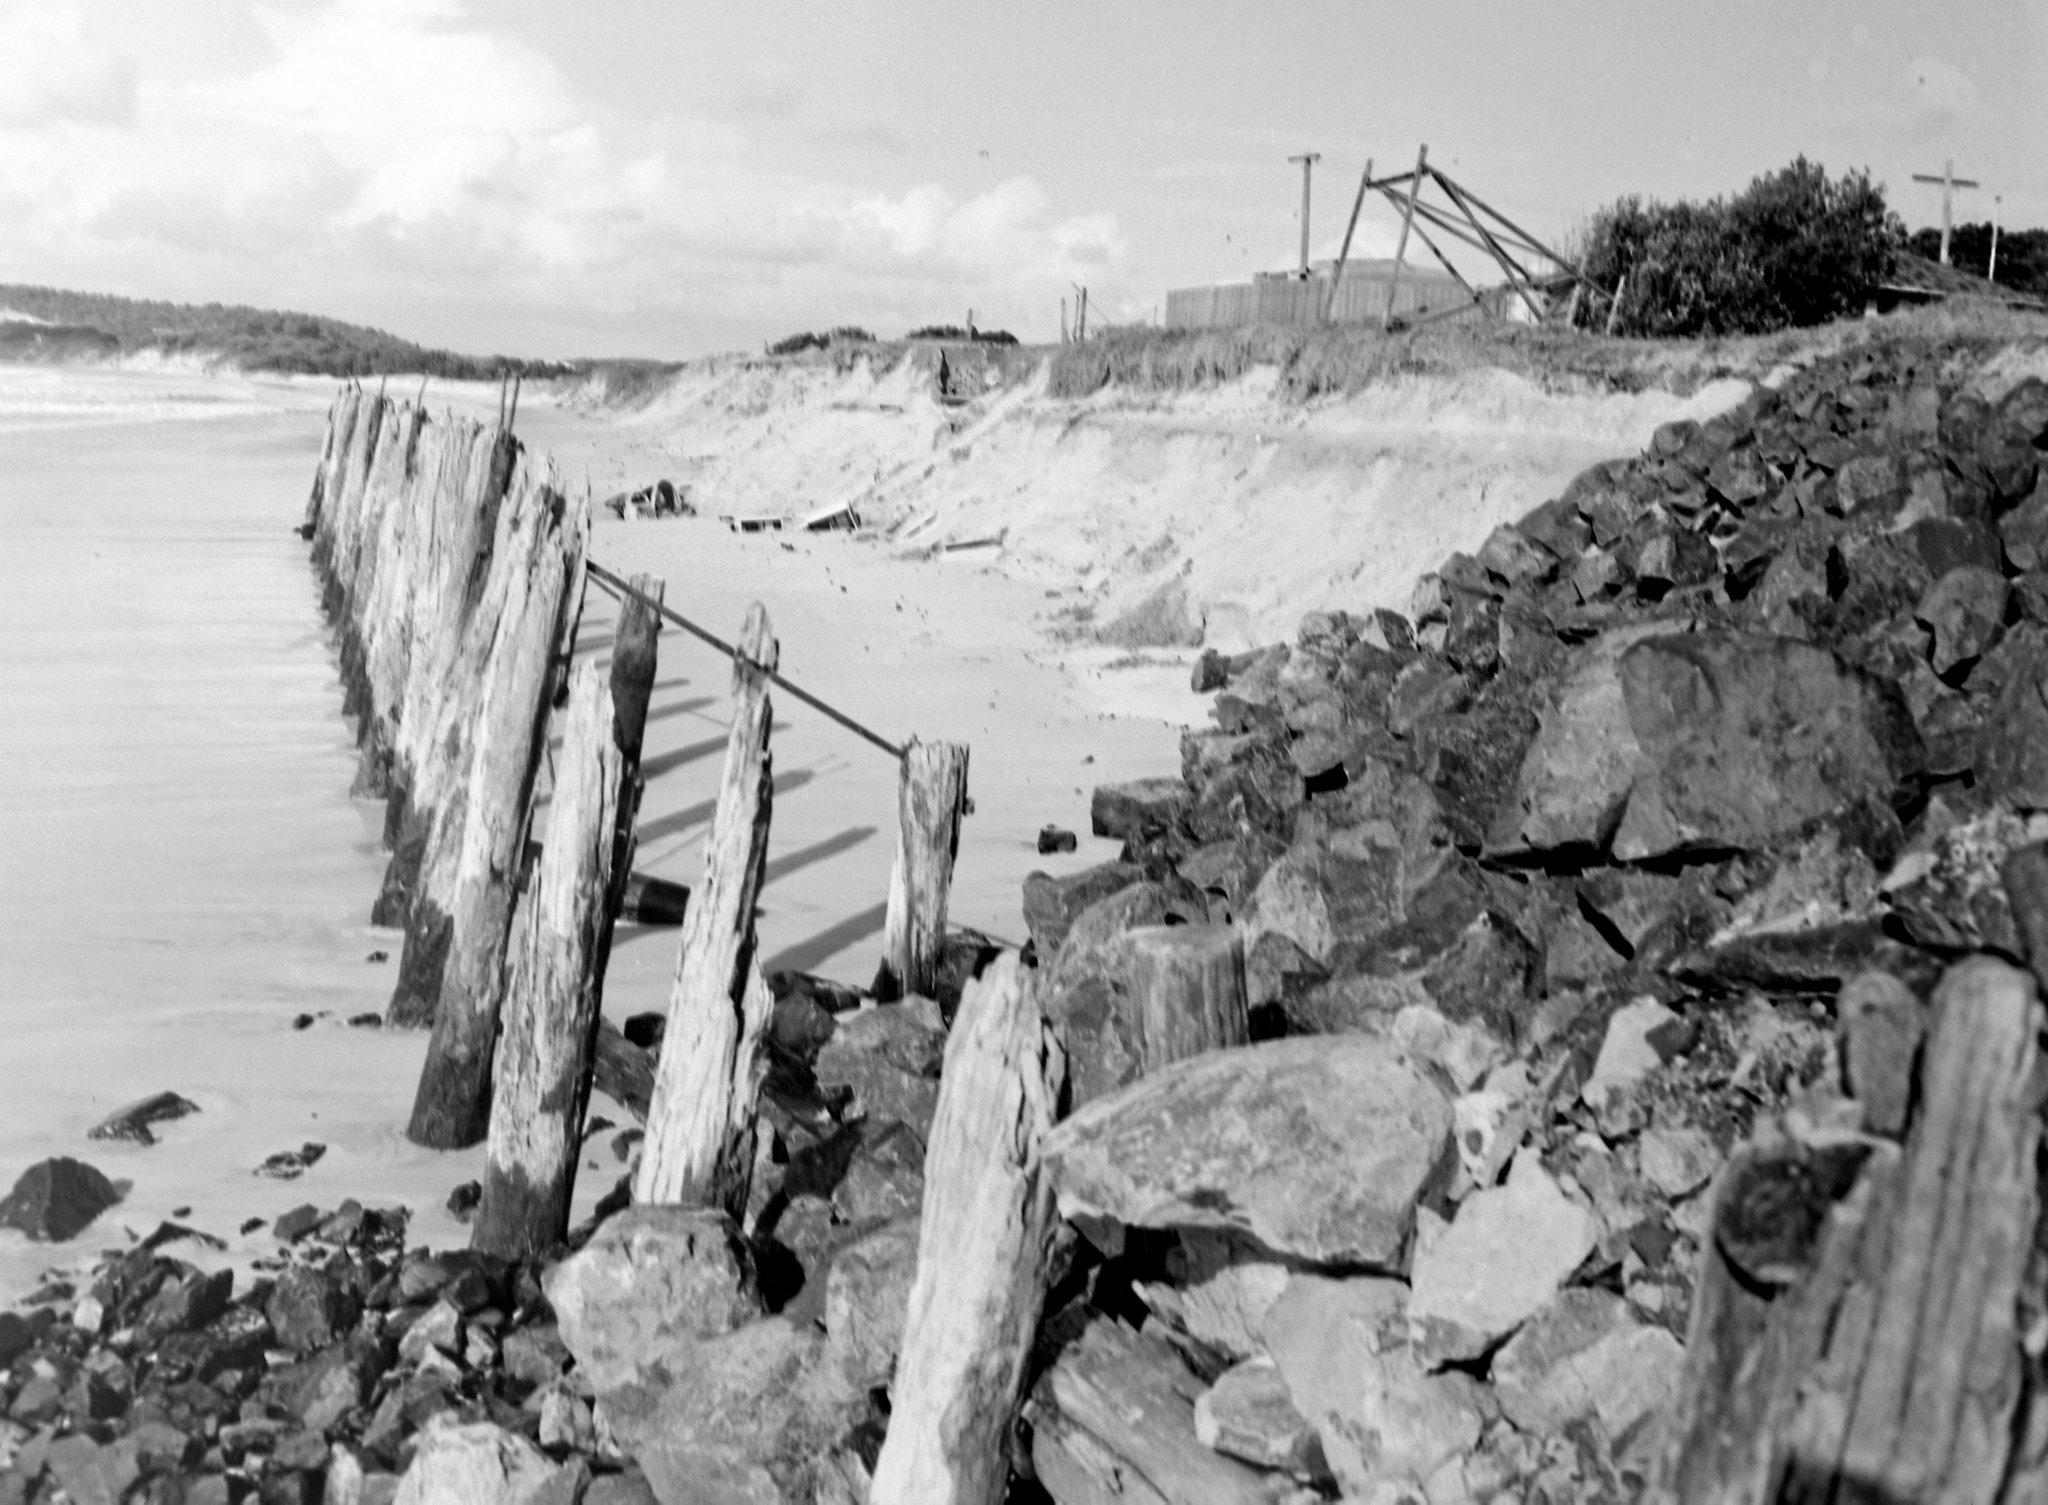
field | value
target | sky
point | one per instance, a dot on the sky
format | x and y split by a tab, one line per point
665	178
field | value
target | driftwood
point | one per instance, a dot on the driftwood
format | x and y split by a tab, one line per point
931	798
984	1239
1890	1367
1187	983
552	993
464	907
699	1147
1113	1423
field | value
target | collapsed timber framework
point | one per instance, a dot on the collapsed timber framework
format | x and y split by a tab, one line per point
1465	217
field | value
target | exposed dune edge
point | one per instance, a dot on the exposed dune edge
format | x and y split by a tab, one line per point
1255	508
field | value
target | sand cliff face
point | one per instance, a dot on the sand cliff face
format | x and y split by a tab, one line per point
1244	508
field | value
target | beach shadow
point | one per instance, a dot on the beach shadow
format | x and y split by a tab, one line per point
818	851
690	816
681	707
593	642
671	684
806	955
653	768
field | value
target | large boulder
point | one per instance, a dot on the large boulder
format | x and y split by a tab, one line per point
652	1283
887	1058
1051	904
1709	740
1585	1357
867	1300
1317	1147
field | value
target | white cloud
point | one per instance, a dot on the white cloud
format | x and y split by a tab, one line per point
52	70
403	154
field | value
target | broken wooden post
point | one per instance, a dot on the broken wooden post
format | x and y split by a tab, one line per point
699	1147
1401	246
930	800
464	908
552	992
1890	1368
1188	984
983	1242
554	988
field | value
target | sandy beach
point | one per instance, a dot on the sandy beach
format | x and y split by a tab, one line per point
186	876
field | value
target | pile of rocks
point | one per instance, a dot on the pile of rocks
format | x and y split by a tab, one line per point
1648	835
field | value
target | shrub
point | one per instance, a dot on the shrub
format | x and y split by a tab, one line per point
2022	254
955	332
1794	248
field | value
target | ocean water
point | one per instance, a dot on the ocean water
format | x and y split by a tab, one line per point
183	876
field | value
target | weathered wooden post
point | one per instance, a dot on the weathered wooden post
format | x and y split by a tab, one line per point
552	996
930	800
984	1239
700	1125
471	903
1187	982
554	987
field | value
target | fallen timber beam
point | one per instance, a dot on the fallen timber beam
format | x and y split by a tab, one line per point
699	1150
984	1240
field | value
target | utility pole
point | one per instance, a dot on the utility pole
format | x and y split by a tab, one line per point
1997	204
1949	184
1308	161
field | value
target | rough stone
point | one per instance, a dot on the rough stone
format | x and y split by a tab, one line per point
1219	1291
1584	1356
1504	1255
309	1309
134	1121
1138	810
885	1178
1052	904
1325	889
1248	1414
867	1299
1318	1148
652	1282
477	1463
54	1200
1964	609
888	1058
1382	1419
1627	1051
1677	1161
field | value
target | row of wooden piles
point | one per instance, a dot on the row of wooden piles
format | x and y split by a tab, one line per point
454	567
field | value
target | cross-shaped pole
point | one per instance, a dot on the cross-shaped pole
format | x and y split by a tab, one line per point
1308	160
1949	184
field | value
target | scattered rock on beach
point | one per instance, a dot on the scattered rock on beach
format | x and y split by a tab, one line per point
289	1165
134	1121
56	1199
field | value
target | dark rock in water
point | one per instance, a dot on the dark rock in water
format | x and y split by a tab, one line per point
288	1165
1211	672
1052	904
55	1199
884	1180
1056	839
133	1122
1139	809
645	1030
366	1021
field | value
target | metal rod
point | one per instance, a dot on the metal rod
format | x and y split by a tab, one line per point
620	587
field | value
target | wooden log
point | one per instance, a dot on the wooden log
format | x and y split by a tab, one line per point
984	1239
452	1107
623	1071
1401	246
553	992
709	1074
931	797
1114	1422
1187	982
1891	1369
